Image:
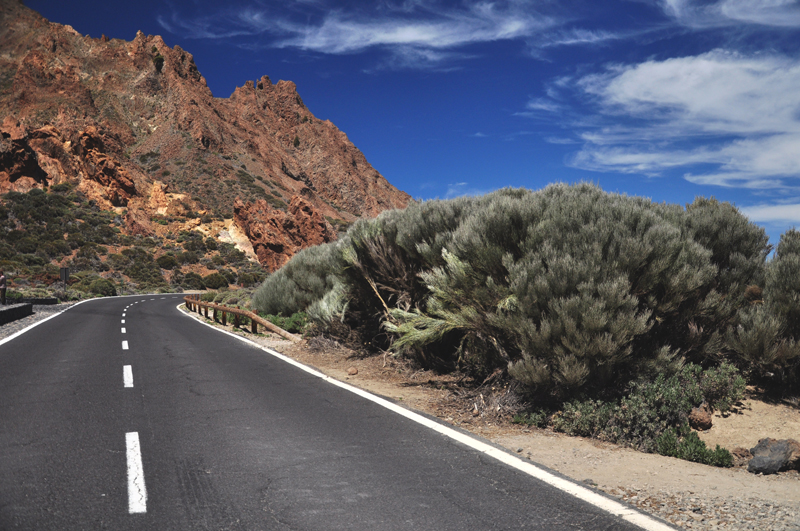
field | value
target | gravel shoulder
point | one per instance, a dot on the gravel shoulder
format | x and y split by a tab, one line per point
689	495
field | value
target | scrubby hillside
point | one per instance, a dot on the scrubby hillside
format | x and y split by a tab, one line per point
62	228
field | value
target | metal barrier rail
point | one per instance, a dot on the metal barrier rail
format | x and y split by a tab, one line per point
194	304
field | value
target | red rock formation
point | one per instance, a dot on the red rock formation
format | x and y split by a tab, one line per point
115	116
277	235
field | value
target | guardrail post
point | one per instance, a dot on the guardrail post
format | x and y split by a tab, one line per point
215	315
224	318
254	326
236	320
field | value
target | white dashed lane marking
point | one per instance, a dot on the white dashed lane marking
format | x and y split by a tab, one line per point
123	330
123	321
137	494
127	376
124	345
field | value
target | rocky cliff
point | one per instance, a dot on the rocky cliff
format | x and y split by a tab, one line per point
134	125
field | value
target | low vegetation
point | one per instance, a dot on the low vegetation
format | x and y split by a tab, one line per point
611	315
45	230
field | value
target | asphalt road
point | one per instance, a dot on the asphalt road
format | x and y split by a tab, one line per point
229	437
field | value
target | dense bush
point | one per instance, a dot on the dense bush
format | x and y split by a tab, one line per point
215	281
766	340
685	444
306	278
167	261
192	281
143	268
651	408
294	324
576	291
103	287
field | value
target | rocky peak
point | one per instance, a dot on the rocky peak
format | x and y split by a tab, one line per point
116	116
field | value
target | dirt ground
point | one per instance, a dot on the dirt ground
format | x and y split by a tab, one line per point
608	466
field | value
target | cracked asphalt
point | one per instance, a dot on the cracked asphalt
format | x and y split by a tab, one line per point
231	438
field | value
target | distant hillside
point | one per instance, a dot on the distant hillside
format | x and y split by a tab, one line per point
133	127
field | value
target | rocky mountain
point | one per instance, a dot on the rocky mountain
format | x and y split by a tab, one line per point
134	127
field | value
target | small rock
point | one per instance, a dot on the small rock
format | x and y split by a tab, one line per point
590	482
519	450
741	456
352	371
700	418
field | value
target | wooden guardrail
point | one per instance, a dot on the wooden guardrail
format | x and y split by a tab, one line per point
194	304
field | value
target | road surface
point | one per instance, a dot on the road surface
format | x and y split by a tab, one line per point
125	413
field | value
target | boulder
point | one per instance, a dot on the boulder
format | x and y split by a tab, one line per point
700	418
771	456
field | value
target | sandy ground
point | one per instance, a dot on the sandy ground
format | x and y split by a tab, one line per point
609	467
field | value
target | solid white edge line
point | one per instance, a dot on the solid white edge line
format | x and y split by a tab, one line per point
127	376
137	493
582	493
124	345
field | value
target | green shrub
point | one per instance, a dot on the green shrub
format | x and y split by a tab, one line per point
766	340
304	279
537	419
187	258
103	287
576	291
685	444
167	261
193	281
143	269
215	281
652	408
295	323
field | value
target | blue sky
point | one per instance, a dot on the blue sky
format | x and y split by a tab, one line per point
668	99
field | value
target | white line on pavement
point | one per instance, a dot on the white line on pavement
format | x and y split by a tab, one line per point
123	330
585	494
124	345
127	376
123	321
137	494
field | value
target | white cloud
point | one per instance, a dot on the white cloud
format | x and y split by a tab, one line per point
739	114
700	14
482	22
579	36
542	104
765	213
415	33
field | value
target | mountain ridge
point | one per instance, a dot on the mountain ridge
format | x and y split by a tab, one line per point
135	127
